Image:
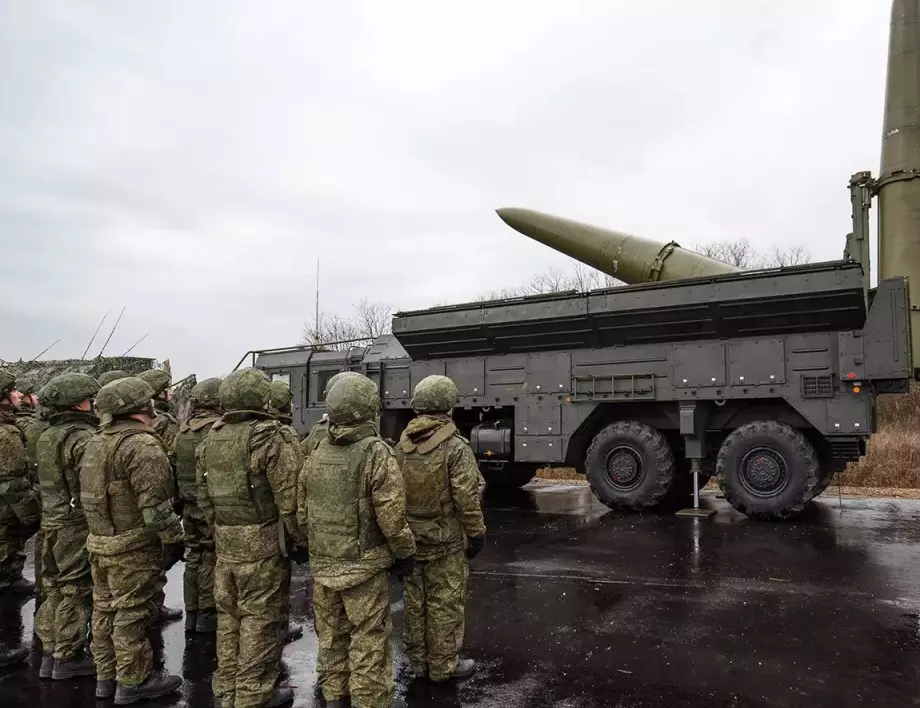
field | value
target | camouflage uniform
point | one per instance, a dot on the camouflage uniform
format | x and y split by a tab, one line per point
247	481
32	423
19	510
62	621
198	581
443	509
166	427
351	506
126	487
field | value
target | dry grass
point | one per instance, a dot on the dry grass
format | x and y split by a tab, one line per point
893	459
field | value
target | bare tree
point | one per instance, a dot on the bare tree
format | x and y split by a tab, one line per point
742	255
369	321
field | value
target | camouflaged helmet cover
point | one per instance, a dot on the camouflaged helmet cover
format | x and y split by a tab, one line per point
128	395
282	396
7	383
25	385
110	376
158	380
352	400
67	390
206	394
434	394
338	377
245	390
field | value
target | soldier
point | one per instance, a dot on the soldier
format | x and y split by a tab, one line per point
351	505
31	424
247	490
445	515
126	486
110	376
320	429
281	408
20	513
198	585
62	622
166	427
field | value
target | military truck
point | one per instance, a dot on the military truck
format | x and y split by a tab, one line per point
767	378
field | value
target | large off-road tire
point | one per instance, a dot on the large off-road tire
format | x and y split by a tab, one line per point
629	465
768	470
514	475
825	478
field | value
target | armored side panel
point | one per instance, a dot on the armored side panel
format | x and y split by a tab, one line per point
899	181
628	258
817	297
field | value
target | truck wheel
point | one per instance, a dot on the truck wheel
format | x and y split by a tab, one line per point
514	475
824	480
630	465
767	470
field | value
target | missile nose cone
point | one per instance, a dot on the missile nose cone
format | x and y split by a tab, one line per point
529	222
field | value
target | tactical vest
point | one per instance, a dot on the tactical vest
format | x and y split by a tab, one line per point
342	522
187	441
239	496
430	510
108	499
61	505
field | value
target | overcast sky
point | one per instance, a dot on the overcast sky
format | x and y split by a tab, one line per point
191	160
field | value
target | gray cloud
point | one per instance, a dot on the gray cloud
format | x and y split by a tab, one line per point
192	160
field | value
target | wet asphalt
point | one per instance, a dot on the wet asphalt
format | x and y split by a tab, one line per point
572	605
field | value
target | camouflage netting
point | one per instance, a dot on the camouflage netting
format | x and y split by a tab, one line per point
41	372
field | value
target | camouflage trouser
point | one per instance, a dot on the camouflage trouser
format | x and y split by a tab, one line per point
198	581
252	606
355	657
435	603
64	616
12	552
38	564
123	590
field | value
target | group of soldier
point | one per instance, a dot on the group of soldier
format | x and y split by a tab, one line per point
118	491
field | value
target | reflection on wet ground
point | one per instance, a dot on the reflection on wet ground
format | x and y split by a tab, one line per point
574	606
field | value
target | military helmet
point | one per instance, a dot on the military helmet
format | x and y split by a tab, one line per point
7	383
25	385
338	377
110	376
351	400
158	380
67	390
246	390
282	396
128	395
434	394
206	394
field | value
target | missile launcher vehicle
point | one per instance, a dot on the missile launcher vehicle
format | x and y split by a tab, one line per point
766	379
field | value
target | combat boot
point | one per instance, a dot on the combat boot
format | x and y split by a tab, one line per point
294	632
464	668
279	697
207	621
11	657
46	668
167	615
80	665
191	619
105	688
154	687
419	671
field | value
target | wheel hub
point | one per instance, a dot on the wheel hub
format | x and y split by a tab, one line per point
624	467
764	472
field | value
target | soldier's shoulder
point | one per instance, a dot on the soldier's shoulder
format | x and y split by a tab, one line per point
379	446
142	441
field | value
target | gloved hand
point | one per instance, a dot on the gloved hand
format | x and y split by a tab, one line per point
172	554
476	544
402	567
299	555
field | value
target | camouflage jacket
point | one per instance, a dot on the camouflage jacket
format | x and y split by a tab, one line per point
384	487
165	424
17	495
272	453
61	505
31	425
318	433
140	461
442	486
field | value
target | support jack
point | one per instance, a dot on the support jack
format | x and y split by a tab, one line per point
696	511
